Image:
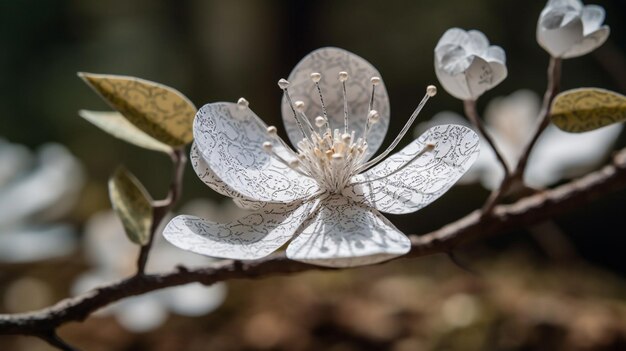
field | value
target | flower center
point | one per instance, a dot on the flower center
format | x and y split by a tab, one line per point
331	157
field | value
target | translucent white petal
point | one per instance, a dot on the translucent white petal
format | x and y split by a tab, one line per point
455	84
482	76
495	54
346	234
230	140
253	236
406	182
592	17
196	299
452	37
589	43
556	39
329	62
477	43
209	178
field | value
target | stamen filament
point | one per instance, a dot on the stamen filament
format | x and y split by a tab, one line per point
343	76
430	91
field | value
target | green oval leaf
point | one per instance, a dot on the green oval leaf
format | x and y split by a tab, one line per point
118	126
586	109
132	204
159	111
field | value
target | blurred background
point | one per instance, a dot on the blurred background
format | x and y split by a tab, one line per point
555	286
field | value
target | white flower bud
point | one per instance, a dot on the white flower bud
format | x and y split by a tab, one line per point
568	29
466	65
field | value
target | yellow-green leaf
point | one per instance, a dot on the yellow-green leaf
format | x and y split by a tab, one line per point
118	126
585	109
132	204
160	111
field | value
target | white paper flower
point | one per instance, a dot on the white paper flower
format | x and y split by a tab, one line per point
336	110
36	190
466	65
114	257
568	29
511	120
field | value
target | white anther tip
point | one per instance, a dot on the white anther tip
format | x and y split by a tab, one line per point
242	103
346	137
271	130
283	83
337	157
294	163
316	77
375	80
373	116
267	146
320	121
343	76
431	90
299	106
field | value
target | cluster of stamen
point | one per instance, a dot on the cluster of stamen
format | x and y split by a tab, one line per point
331	157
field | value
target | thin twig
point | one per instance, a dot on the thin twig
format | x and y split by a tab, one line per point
517	176
527	211
54	340
162	207
470	111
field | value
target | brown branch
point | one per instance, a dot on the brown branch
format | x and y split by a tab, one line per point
527	211
517	176
161	208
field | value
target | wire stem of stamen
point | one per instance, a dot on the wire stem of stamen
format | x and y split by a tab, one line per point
284	85
343	77
428	147
268	147
375	81
431	90
316	77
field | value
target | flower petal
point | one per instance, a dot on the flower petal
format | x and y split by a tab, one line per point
230	140
592	17
329	62
346	234
453	37
251	237
482	76
413	178
477	43
454	84
589	43
556	39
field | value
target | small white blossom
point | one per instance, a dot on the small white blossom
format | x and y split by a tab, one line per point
568	29
466	65
326	193
36	190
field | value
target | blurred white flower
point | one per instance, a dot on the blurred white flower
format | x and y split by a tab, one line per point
568	29
35	190
466	65
114	257
511	120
